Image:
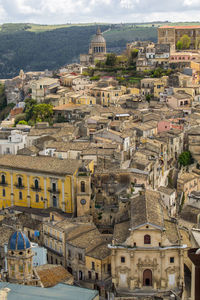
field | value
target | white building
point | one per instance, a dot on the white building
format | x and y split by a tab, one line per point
40	255
168	196
16	141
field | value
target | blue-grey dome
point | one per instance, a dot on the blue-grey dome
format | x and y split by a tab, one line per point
18	241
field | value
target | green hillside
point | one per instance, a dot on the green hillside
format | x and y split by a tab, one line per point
38	47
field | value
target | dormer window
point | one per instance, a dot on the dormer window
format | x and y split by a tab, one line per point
147	239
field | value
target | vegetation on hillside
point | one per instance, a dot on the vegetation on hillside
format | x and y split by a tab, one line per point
34	113
32	51
34	47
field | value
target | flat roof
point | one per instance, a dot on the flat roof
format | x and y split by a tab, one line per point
60	292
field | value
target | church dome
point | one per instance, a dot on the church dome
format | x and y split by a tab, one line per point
99	39
18	241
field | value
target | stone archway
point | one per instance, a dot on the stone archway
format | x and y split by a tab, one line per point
147	277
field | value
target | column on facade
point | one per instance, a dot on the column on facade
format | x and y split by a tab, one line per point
45	192
63	195
181	265
113	266
12	192
28	192
162	270
132	273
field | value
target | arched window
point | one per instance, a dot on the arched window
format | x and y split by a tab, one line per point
19	181
36	184
147	239
82	186
3	179
37	198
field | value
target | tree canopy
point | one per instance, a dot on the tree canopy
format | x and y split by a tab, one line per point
184	42
111	59
185	159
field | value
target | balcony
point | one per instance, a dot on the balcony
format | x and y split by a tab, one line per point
3	183
36	189
53	191
19	186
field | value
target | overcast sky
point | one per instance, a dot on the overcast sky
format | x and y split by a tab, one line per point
116	11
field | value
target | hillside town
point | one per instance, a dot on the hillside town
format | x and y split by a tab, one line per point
100	174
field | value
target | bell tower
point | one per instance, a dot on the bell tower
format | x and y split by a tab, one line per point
83	191
19	258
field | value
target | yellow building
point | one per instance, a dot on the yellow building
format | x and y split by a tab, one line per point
107	95
195	66
98	263
41	182
160	85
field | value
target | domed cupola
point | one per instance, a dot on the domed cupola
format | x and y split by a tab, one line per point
18	241
98	43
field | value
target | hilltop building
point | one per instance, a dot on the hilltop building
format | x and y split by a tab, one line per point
172	34
97	50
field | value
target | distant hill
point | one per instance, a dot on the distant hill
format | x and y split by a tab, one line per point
33	47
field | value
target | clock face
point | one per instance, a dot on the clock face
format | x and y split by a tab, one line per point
83	201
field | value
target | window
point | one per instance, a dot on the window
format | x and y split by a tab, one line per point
147	239
82	187
54	187
93	266
20	196
69	253
3	193
36	198
80	256
19	181
36	184
3	179
21	269
171	260
123	259
89	274
54	201
97	276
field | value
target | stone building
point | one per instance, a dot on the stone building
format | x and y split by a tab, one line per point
147	252
97	50
19	259
172	34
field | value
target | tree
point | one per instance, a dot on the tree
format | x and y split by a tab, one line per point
185	159
29	105
23	122
111	59
184	42
42	113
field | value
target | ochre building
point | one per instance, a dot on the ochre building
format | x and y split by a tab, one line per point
172	34
43	182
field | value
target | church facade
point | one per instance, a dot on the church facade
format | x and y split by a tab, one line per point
147	253
97	50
